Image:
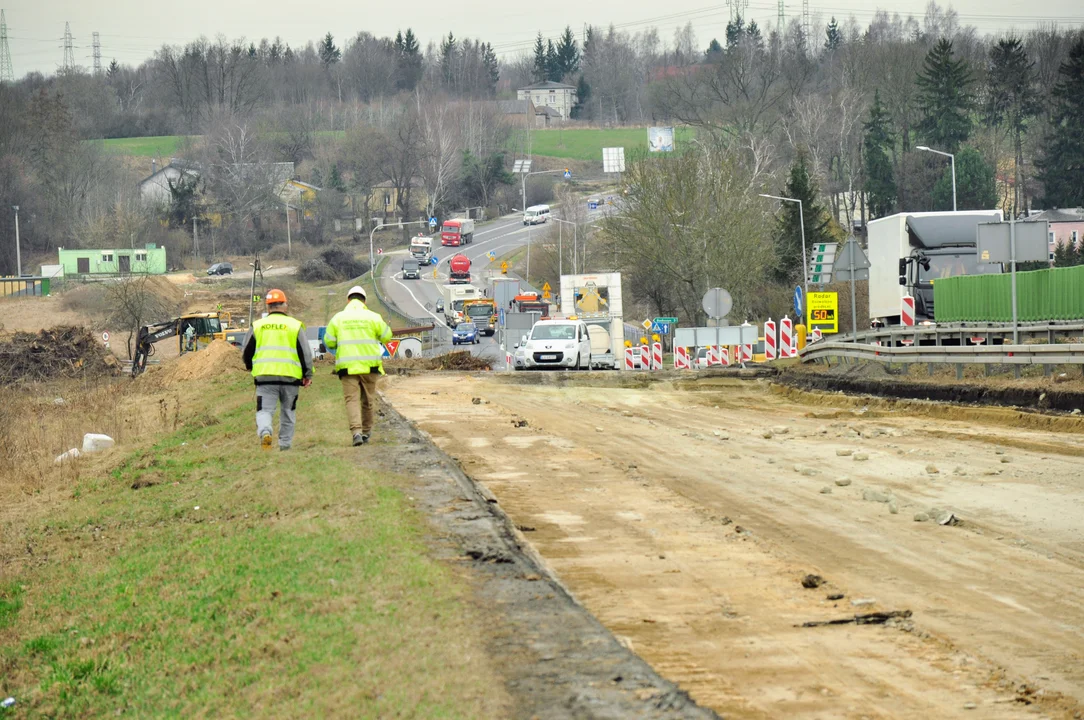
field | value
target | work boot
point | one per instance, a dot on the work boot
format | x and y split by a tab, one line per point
365	438
265	441
359	439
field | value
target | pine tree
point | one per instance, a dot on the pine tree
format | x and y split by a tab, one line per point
492	66
252	50
975	186
714	52
447	59
288	56
944	98
735	31
833	37
541	70
877	143
583	92
1061	165
553	64
335	179
1011	102
1061	255
788	250
113	70
754	35
409	61
568	54
329	53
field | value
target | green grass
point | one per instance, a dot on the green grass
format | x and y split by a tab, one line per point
587	143
239	582
163	146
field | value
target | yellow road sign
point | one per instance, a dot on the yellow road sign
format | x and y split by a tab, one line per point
823	312
646	324
546	288
504	267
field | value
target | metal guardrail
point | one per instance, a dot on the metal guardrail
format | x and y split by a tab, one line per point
961	333
1049	354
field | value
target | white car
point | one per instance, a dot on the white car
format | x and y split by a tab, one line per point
557	344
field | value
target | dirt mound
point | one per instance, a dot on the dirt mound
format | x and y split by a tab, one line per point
216	359
65	351
461	360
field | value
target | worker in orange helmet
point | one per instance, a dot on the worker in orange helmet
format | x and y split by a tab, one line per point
278	354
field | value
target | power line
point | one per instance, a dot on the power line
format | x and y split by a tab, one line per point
7	73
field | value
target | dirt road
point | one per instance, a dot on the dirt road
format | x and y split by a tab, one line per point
685	519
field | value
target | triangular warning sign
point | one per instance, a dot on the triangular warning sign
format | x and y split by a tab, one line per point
392	346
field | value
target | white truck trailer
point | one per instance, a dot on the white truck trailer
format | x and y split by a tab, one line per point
454	296
596	299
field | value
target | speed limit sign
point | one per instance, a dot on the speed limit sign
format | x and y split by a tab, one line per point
105	337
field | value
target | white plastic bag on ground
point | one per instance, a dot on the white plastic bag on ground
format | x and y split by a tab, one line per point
93	442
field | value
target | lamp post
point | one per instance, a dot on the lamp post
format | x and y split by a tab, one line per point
18	252
561	245
952	159
801	225
372	264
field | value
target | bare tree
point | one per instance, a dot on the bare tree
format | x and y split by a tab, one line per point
440	153
135	302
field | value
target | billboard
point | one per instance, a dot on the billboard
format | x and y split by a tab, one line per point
660	139
613	160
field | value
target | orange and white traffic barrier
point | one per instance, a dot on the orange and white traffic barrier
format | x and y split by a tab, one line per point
816	335
656	356
724	355
632	355
787	348
681	358
747	353
771	352
907	311
508	361
645	357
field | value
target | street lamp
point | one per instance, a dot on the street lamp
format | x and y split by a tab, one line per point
952	159
801	225
561	244
18	252
524	171
372	265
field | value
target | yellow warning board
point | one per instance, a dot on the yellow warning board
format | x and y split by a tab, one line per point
504	267
823	312
546	291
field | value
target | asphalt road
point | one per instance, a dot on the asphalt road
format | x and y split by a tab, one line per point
417	298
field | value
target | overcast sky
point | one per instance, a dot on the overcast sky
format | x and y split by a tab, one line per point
132	29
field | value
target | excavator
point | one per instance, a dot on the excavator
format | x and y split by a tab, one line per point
208	326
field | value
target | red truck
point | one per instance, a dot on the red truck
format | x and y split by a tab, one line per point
457	232
459	270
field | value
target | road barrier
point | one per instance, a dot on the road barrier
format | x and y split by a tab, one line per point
787	346
770	350
746	353
1057	354
816	335
681	358
656	356
631	358
907	311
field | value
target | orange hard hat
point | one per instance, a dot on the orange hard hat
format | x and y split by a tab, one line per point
275	297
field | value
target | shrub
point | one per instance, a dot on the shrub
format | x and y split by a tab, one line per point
344	263
316	270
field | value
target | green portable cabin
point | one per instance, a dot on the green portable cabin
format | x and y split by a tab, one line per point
149	260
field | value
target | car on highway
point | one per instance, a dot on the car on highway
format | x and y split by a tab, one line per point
561	343
222	268
411	270
465	333
440	306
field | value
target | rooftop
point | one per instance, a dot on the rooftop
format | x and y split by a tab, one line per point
549	85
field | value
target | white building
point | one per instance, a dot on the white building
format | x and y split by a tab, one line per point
154	190
558	96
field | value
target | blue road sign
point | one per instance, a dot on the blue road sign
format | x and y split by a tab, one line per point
568	174
432	222
500	317
592	204
657	328
798	304
385	349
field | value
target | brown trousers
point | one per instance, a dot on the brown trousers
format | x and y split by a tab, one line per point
359	392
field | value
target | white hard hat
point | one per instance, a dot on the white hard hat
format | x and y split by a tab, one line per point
356	290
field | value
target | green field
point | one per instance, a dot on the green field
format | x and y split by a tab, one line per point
163	146
587	143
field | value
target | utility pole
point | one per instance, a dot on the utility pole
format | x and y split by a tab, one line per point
780	19
289	241
807	28
7	74
69	52
97	54
18	252
195	236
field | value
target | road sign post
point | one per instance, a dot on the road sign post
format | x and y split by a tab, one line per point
852	264
798	305
823	312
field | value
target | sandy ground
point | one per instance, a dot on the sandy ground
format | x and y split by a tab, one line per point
685	519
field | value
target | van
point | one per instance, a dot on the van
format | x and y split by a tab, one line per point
557	344
536	215
411	270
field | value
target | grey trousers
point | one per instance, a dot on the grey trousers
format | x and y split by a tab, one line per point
267	397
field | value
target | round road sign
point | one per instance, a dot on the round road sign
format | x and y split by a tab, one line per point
105	337
717	303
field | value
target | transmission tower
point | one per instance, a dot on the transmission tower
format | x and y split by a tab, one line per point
97	55
807	28
780	19
69	52
736	9
7	74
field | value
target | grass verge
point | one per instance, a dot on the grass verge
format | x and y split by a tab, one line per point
202	576
587	143
163	146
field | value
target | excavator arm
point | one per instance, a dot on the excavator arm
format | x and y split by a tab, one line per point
147	337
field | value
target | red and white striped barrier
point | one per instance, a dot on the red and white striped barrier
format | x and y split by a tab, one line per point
907	311
724	355
681	358
508	361
656	356
771	352
787	347
816	335
632	356
747	353
645	357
